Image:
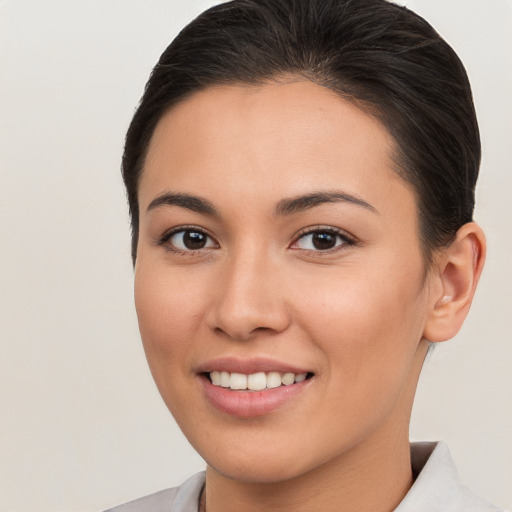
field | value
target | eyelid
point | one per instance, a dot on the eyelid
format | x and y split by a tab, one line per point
167	235
347	238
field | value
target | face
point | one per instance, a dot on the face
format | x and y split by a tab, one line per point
279	251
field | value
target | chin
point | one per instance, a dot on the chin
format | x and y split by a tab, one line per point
269	471
267	458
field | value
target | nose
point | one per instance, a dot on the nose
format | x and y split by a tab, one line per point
249	299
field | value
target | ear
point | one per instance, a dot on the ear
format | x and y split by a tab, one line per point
454	279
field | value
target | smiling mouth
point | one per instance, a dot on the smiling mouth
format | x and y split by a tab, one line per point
258	381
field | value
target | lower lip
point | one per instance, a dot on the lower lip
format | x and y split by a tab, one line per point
251	404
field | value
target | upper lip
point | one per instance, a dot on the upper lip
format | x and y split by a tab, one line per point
248	366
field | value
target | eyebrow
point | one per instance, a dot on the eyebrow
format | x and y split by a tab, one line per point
194	203
284	207
305	202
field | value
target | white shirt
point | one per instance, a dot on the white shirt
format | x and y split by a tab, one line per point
437	488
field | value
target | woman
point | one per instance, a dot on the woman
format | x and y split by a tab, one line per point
301	184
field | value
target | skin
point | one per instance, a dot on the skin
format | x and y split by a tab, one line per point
357	316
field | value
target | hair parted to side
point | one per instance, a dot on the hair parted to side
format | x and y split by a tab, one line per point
383	57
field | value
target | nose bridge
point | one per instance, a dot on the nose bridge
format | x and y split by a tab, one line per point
248	297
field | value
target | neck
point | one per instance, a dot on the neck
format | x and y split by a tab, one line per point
365	479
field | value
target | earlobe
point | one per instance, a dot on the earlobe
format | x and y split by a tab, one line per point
456	273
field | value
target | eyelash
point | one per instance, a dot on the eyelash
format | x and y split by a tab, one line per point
346	240
166	237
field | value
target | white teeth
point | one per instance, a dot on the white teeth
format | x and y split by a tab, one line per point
273	380
215	376
224	379
287	379
238	381
255	381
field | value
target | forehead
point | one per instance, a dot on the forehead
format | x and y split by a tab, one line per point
280	137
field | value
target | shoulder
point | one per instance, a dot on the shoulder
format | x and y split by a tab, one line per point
184	498
158	502
437	485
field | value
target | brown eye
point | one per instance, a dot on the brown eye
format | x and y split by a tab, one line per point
321	240
190	240
194	240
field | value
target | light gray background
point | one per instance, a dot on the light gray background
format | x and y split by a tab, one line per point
81	424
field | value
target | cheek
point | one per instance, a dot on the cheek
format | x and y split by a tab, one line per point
170	309
369	324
